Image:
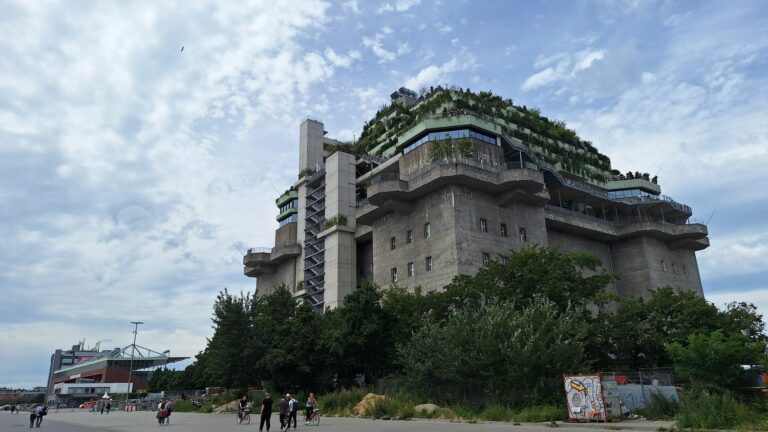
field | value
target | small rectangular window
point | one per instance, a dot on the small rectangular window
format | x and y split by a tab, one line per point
427	230
523	235
394	274
503	258
486	259
483	225
428	263
504	230
392	243
408	237
411	270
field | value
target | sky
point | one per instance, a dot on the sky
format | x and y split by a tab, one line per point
134	175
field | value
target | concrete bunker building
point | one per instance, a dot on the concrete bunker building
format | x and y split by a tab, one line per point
439	185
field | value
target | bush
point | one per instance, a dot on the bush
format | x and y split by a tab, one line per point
660	408
391	407
341	403
540	413
495	412
703	409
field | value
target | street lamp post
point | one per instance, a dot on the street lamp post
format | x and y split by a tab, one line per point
133	349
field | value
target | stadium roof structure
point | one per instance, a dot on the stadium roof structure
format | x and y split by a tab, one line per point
143	358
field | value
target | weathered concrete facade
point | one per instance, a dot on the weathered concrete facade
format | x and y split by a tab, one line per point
440	207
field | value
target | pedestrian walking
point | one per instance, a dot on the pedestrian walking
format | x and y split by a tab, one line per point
168	411
293	407
101	408
266	412
283	414
161	412
13	408
109	406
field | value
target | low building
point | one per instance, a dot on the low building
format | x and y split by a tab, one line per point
121	370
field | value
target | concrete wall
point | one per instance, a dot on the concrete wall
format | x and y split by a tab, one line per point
471	206
285	273
340	254
638	264
364	262
437	209
681	271
311	145
286	234
567	242
420	157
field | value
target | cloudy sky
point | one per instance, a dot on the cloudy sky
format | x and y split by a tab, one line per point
133	176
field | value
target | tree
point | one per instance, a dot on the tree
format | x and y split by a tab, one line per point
495	351
227	364
715	358
568	280
356	336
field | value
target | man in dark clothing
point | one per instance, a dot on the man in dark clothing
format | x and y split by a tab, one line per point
266	412
284	411
293	406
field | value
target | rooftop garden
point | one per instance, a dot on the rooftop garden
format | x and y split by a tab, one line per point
550	140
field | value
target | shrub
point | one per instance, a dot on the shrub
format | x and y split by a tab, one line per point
496	412
660	408
540	413
702	409
341	403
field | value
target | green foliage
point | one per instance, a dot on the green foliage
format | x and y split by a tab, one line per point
339	219
716	358
568	280
659	407
341	402
485	347
402	408
713	410
481	353
356	337
306	172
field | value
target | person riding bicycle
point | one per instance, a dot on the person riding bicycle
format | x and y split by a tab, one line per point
311	404
242	407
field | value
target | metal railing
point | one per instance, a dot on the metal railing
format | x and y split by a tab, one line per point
255	250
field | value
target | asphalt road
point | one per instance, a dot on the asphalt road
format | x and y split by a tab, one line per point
83	421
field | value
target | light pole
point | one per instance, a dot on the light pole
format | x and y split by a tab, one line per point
130	368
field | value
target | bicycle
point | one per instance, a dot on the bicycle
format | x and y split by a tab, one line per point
314	418
244	417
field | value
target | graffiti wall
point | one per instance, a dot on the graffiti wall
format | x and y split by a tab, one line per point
585	397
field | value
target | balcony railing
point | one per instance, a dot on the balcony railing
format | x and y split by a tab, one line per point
255	250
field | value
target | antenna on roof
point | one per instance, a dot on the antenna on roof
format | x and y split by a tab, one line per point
710	216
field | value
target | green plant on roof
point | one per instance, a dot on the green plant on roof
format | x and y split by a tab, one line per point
550	140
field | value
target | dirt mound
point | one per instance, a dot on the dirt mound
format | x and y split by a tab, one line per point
227	408
368	400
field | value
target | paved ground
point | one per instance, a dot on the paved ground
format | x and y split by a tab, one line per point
76	421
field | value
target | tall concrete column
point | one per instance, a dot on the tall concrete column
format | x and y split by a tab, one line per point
311	145
311	134
340	245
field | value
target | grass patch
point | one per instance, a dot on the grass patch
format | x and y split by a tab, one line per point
660	408
709	410
540	413
341	403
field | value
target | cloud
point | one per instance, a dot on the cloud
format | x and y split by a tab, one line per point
352	6
442	74
398	6
561	67
377	47
735	255
341	60
141	161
